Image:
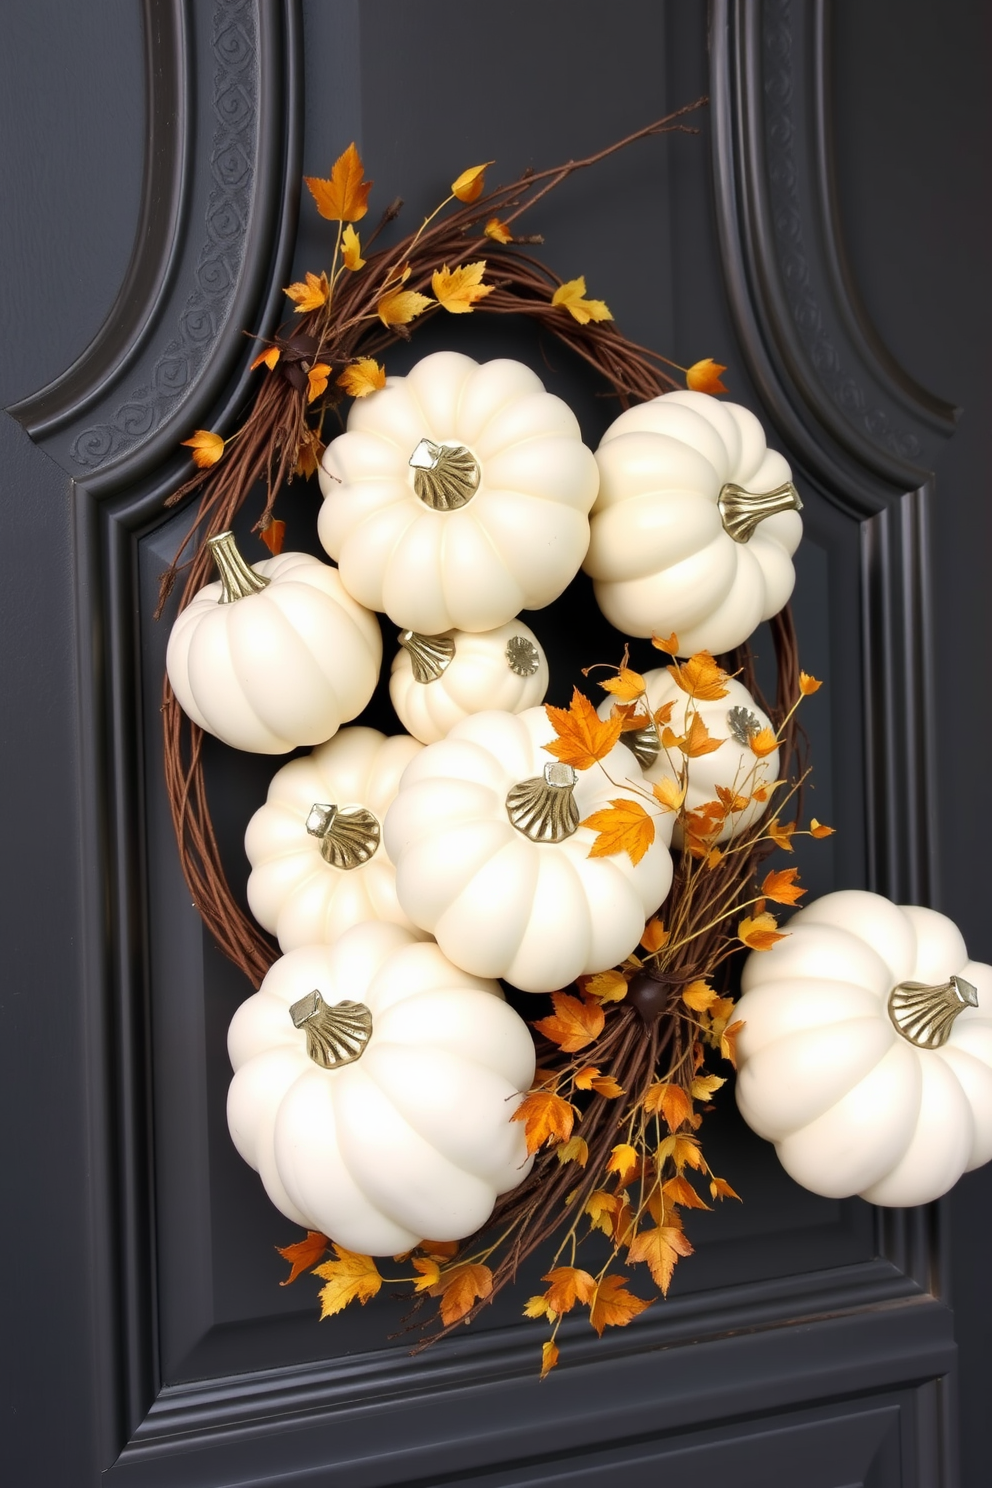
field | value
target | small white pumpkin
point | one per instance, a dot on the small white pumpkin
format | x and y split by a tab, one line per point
437	681
373	1090
735	719
318	862
695	524
866	1051
275	655
458	496
491	860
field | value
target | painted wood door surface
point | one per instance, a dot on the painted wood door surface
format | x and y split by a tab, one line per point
154	155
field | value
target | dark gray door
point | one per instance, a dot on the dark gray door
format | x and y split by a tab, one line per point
154	157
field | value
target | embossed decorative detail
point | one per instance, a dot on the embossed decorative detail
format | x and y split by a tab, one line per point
232	157
925	1014
336	1035
543	808
741	510
743	725
522	656
429	655
349	835
445	476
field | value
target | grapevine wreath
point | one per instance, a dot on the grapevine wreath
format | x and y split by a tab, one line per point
608	854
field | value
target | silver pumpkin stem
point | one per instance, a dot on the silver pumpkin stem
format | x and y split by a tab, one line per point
741	510
445	476
925	1014
522	656
237	578
543	808
336	1035
349	835
429	655
643	743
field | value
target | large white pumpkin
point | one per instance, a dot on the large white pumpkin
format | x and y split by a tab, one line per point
437	681
458	496
840	1063
505	903
695	523
318	862
273	655
410	1140
735	719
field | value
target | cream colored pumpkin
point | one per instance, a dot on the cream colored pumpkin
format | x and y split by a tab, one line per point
500	903
735	719
831	1067
318	862
458	496
678	476
413	1137
273	655
437	681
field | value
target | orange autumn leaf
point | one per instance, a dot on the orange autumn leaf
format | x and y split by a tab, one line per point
704	376
808	685
699	996
780	886
608	986
308	294
344	197
430	1274
731	801
572	297
468	187
679	1190
460	1288
623	1161
703	1086
660	1248
576	1149
582	736
269	357
817	829
669	794
568	1286
721	1189
728	1043
781	833
549	1357
308	453
670	1101
759	933
622	826
583	1078
668	644
655	936
698	740
317	380
440	1250
548	1118
400	306
573	1024
589	1078
763	742
498	231
274	536
303	1254
626	685
207	448
601	1206
457	290
613	1307
701	677
362	377
351	250
350	1277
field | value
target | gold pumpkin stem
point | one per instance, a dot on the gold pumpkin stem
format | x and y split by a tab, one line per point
335	1035
237	578
445	476
349	835
741	510
925	1014
429	655
543	808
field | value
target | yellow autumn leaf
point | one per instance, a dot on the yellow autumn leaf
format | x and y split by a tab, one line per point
763	742
668	644
549	1357
317	380
670	1101
780	886
614	1307
721	1189
679	1190
568	1286
457	290
400	306
781	833
362	377
582	736
668	793
207	448
704	376
703	1086
351	250
546	1117
817	829
269	357
660	1249
571	297
698	740
430	1273
537	1307
498	231
309	294
606	986
624	1162
600	1207
576	1150
699	996
344	196
350	1277
655	936
468	187
573	1024
728	1044
701	677
808	685
460	1288
623	826
759	933
626	685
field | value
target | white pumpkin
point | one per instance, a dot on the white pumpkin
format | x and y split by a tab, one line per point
318	862
735	719
695	524
458	496
839	1059
437	681
500	900
275	655
413	1137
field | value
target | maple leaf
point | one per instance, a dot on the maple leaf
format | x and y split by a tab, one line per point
679	1190
269	357
698	996
568	1286
274	536
576	1149
728	1042
721	1189
583	1078
703	1086
317	380
583	737
498	231
207	448
308	453
573	1024
704	376
458	289
345	196
670	1101
730	800
701	677
350	1277
613	1307
607	1087
763	742
351	250
601	1206
669	794
460	1289
571	297
303	1254
807	686
668	644
623	826
655	936
625	1162
547	1117
759	933
608	986
469	185
430	1274
626	685
780	886
698	740
817	829
781	833
536	1307
400	306
362	377
549	1357
308	294
660	1248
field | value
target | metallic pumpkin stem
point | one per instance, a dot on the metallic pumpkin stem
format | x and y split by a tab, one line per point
429	655
643	743
349	835
543	808
237	578
336	1035
741	510
925	1014
743	725
522	656
445	476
